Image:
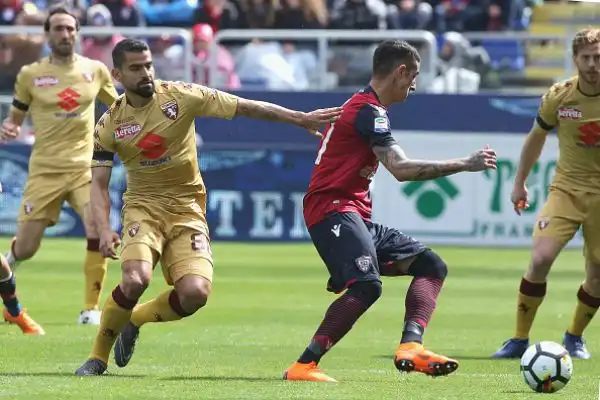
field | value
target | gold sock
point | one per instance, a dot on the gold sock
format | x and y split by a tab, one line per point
95	267
158	309
114	318
587	305
531	296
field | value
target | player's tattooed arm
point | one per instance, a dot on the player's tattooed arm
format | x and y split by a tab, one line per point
272	112
405	169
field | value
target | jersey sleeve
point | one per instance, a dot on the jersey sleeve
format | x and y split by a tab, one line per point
373	125
202	101
22	95
104	143
108	93
547	112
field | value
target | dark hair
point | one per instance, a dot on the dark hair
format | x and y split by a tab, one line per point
59	10
585	37
127	46
390	54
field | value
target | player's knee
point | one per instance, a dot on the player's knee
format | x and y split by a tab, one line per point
429	264
136	279
25	249
367	292
193	292
541	262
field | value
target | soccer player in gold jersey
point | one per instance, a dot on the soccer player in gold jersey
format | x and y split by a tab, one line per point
573	108
152	130
59	93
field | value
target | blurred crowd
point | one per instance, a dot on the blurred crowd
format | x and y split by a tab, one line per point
274	65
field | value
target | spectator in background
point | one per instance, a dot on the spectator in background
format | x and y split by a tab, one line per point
460	15
409	14
123	12
226	76
100	47
257	14
219	14
358	14
301	14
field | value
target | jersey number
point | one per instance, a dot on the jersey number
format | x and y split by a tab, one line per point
324	144
152	146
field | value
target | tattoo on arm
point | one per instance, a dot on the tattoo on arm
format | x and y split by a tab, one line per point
404	169
266	111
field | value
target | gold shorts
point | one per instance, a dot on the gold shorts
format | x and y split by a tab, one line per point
45	194
565	212
181	241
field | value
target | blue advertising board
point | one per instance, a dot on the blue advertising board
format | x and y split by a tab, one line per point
257	172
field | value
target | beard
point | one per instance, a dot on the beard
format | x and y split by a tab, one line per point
62	49
145	91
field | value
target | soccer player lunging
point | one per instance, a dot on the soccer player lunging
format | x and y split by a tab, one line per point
59	92
152	130
356	251
573	108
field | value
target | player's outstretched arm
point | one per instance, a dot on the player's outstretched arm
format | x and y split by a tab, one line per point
272	112
405	169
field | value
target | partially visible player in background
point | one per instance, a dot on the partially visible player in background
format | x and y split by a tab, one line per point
152	129
356	251
573	108
59	92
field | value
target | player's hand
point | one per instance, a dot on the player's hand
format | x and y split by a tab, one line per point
109	241
519	197
313	120
9	131
481	160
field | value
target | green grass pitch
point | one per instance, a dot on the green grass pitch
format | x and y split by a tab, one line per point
266	304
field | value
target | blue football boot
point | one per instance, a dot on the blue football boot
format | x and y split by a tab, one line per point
575	345
512	348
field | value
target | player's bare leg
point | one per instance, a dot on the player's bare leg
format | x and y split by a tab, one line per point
588	301
189	295
23	247
429	272
136	276
95	267
532	290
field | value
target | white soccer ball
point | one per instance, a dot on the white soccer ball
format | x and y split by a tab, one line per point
546	367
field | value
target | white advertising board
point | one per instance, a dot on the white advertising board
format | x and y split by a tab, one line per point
471	209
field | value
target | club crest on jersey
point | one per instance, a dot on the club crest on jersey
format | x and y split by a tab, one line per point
88	76
363	263
569	113
28	208
127	130
170	109
45	81
543	223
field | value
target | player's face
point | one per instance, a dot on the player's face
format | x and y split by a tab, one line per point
137	73
587	61
62	34
406	80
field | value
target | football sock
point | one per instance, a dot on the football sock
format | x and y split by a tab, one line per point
116	314
531	295
11	259
420	303
339	319
587	305
94	268
8	289
164	308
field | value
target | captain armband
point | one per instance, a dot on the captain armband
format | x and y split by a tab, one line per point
102	158
19	105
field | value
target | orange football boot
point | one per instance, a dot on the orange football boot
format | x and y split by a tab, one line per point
25	322
306	372
414	357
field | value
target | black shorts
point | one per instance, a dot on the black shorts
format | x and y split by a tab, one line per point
356	250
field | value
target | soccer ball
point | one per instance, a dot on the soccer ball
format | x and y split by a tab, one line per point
546	367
